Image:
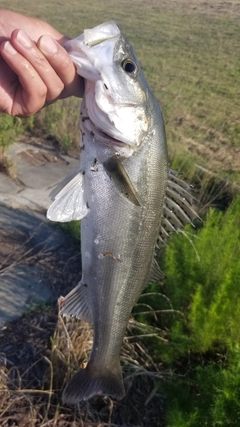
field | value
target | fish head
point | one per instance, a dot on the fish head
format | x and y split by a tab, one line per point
116	92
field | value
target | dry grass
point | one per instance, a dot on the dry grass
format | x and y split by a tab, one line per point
7	166
50	350
40	352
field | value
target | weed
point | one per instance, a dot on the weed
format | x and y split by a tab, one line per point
39	307
72	228
61	121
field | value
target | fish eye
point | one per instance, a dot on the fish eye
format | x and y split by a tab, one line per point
129	66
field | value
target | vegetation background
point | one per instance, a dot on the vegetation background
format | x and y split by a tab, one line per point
189	345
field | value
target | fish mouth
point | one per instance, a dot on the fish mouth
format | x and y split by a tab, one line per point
109	118
108	140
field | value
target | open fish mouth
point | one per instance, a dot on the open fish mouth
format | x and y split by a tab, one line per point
105	138
112	122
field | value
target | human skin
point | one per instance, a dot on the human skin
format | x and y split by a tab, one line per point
35	69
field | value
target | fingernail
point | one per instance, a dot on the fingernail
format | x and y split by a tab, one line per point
48	45
24	40
9	48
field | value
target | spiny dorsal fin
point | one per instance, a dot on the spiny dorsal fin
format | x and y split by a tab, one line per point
155	273
177	210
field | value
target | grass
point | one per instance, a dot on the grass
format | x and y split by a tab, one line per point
10	129
189	55
61	121
31	391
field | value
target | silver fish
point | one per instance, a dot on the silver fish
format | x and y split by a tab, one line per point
126	197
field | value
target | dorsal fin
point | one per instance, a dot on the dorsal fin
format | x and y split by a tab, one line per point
156	273
177	209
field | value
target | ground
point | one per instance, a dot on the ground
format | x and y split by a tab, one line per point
39	351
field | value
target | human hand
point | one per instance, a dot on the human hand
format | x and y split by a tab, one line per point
34	68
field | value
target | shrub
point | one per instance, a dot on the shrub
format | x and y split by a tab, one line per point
203	353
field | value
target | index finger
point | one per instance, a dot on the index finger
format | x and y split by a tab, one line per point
61	62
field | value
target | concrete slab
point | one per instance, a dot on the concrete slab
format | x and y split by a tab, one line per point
34	226
45	176
21	287
7	186
29	198
23	215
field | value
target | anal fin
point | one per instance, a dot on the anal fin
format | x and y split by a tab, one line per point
75	304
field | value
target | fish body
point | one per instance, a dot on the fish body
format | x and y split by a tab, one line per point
120	196
118	241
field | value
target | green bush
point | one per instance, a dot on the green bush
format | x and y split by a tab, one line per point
208	396
201	324
204	283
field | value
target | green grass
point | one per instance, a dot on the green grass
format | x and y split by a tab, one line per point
190	58
61	121
72	228
209	397
10	128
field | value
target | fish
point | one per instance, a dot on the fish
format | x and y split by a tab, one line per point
127	198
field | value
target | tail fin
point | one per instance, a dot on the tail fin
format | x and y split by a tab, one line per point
89	382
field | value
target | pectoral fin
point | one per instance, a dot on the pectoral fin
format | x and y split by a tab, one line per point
69	204
119	176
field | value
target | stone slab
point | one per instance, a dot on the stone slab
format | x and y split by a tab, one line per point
44	176
33	225
29	198
7	186
21	288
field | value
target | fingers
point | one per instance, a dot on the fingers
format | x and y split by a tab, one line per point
63	66
29	50
27	93
44	69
